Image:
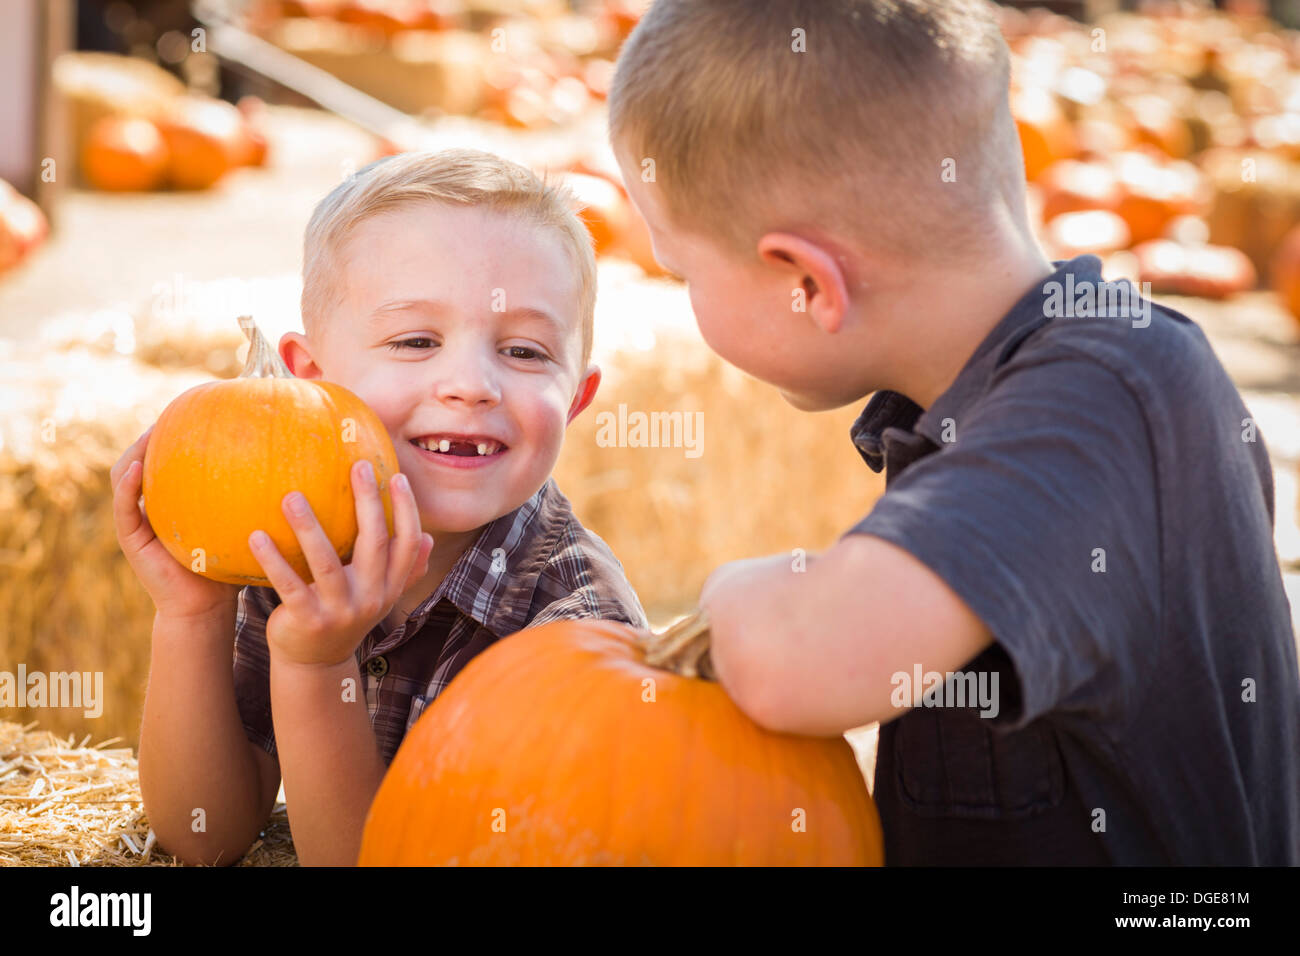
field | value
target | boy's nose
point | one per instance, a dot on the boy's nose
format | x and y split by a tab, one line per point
469	383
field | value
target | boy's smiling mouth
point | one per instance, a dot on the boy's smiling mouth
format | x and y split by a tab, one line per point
459	450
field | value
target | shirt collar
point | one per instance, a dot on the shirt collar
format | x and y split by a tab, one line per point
891	416
494	581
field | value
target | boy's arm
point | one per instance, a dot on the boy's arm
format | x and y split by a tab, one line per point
813	651
329	757
203	787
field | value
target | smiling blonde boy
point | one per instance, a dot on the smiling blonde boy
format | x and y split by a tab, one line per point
454	293
1078	509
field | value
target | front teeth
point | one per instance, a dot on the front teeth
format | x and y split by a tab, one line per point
444	446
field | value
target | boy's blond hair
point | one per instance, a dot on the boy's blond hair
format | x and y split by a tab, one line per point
465	177
748	135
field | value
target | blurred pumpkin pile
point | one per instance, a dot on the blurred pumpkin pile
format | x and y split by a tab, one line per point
23	227
528	64
137	128
1166	143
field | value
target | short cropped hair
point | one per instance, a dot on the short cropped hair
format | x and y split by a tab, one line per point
464	177
855	133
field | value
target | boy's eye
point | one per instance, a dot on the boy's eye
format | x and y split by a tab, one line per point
523	352
407	344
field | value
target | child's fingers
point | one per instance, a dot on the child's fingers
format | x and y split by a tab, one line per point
328	577
421	560
370	552
291	588
126	503
404	549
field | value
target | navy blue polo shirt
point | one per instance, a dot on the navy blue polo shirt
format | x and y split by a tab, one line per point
1092	486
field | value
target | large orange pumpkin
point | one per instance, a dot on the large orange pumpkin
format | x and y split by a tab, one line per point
222	457
568	744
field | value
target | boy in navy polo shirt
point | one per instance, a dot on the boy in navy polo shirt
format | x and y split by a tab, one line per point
1073	556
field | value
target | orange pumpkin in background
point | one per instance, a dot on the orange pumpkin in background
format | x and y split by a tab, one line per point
1209	272
1153	192
603	207
1284	276
576	743
223	455
1046	135
124	154
205	140
23	226
1075	185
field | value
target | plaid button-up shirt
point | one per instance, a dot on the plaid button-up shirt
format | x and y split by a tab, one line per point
533	565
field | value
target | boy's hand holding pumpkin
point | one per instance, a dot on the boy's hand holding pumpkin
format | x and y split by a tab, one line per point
321	624
177	592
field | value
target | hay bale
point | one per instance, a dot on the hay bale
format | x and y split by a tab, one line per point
72	603
67	804
185	323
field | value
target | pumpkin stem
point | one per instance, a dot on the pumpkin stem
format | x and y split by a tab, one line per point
263	361
683	648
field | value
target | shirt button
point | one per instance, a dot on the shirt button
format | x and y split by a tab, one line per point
377	666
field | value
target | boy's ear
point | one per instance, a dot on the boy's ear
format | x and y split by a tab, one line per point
295	349
586	392
816	270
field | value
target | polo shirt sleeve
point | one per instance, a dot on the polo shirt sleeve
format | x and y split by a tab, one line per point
1042	515
252	665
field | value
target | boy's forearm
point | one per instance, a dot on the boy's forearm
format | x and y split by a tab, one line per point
818	649
329	758
198	779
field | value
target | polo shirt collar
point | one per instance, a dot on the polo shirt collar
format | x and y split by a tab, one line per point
891	418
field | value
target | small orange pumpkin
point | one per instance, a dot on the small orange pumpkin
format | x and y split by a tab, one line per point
1209	272
612	760
223	455
205	139
124	154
